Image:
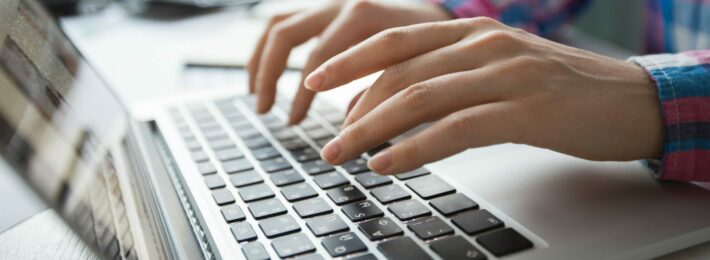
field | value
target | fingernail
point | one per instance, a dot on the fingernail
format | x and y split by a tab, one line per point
380	162
331	151
315	80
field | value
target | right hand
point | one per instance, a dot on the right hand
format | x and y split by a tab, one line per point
340	25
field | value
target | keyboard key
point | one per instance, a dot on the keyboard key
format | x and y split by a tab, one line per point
255	192
371	179
345	194
221	144
308	257
238	165
222	197
295	144
330	180
265	153
242	126
298	192
476	221
256	142
286	177
453	204
326	225
276	164
430	186
193	145
402	248
241	179
292	245
255	251
362	210
211	126
319	133
390	193
206	168
355	166
286	134
412	174
316	167
214	181
266	208
275	126
334	118
430	227
408	209
243	231
378	148
343	244
364	257
200	156
229	154
248	133
456	248
322	142
304	155
309	123
504	241
232	213
311	207
380	228
215	135
278	226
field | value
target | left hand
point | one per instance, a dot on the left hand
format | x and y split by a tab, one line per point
488	84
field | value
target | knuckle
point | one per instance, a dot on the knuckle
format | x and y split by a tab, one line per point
357	132
392	38
362	5
481	21
498	39
279	32
390	77
416	96
411	151
459	126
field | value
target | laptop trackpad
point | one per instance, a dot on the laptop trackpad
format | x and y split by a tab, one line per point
567	204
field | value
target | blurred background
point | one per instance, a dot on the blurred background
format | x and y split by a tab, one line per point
610	20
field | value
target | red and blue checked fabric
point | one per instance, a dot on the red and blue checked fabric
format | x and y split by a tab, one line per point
682	79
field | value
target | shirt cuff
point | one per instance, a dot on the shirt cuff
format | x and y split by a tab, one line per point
683	82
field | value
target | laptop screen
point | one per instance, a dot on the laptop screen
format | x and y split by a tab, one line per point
61	127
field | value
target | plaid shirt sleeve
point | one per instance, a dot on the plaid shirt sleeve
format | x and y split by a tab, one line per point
535	16
683	82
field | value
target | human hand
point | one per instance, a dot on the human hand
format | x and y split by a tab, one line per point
487	83
339	26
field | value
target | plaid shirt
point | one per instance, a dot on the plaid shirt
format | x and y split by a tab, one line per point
679	28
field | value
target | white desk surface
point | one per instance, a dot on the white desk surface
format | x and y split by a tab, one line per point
142	57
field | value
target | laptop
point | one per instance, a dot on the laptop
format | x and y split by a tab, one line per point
207	178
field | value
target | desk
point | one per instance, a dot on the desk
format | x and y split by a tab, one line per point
142	57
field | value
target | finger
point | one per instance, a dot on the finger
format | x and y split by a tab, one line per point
450	59
353	102
283	37
390	47
342	33
417	104
253	65
478	126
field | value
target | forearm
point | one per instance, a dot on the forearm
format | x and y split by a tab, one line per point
683	82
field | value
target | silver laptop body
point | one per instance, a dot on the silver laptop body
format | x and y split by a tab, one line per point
196	182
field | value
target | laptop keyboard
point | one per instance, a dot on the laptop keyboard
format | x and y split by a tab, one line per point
286	167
